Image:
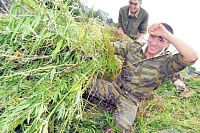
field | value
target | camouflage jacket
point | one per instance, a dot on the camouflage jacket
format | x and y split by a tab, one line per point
132	26
140	76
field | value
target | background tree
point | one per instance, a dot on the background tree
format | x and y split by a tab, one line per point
98	15
91	13
111	22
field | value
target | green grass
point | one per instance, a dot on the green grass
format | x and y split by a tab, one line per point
170	111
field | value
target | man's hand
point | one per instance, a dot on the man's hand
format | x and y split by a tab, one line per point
141	36
121	30
158	30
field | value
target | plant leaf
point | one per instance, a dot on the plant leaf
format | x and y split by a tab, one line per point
58	47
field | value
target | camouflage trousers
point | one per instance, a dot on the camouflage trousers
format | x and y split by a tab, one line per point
127	104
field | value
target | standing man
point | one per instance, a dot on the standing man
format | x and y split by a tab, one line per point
133	20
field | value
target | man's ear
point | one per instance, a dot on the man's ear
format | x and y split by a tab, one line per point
167	45
140	3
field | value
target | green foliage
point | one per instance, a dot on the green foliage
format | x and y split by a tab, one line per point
98	15
94	14
111	22
76	8
168	110
46	57
191	68
91	13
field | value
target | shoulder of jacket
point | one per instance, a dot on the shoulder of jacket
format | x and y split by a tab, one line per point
124	7
143	11
136	45
167	55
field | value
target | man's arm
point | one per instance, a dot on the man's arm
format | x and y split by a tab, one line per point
120	26
189	54
122	48
121	29
143	27
141	36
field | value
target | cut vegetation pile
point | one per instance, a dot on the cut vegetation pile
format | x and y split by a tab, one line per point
47	58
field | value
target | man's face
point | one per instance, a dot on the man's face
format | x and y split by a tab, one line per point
156	44
134	6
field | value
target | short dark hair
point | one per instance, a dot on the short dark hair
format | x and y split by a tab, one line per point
168	27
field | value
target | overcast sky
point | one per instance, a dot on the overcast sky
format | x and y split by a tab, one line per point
182	15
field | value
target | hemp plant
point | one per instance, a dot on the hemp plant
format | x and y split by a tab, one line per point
47	59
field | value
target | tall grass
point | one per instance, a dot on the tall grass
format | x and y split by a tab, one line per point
168	110
46	56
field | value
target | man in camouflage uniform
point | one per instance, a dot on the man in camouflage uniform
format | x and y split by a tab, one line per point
133	20
145	68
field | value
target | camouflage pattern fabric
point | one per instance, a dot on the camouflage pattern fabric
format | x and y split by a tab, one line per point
126	104
133	25
139	77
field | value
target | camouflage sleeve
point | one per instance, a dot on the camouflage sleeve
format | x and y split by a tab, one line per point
144	24
121	48
120	19
175	64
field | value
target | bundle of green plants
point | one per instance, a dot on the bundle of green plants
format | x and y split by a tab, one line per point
47	59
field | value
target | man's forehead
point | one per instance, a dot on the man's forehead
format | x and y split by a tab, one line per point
159	37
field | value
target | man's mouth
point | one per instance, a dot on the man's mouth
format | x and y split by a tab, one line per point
133	9
153	47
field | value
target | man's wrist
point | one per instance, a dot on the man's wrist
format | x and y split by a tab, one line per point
168	35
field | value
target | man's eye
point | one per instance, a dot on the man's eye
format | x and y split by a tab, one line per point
161	40
153	36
